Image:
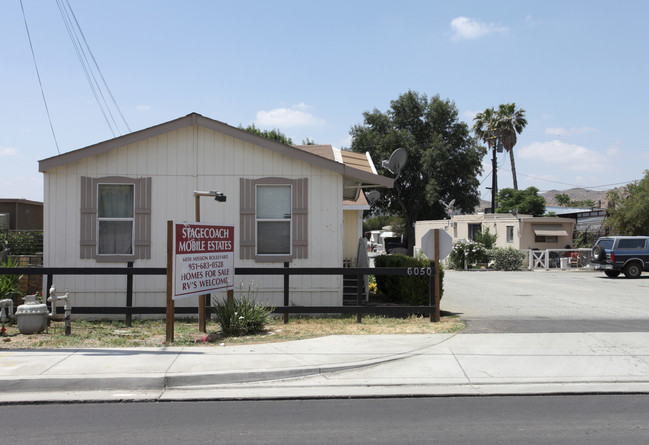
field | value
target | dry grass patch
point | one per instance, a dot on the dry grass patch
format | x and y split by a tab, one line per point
151	333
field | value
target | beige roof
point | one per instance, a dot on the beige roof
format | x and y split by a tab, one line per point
357	160
360	161
354	175
326	151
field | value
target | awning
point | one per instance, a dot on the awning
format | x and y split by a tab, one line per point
549	230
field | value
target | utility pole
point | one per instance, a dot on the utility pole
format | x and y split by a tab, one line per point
494	177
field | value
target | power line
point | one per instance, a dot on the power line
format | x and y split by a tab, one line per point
572	185
40	84
83	36
81	47
94	87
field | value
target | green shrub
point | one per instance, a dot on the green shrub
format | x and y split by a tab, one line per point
26	242
486	238
10	284
585	239
469	251
507	258
241	316
405	289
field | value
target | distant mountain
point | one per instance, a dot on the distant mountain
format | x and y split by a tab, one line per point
575	194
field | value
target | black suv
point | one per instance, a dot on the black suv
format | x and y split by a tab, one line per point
615	254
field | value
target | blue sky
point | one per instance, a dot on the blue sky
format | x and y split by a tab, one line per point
579	68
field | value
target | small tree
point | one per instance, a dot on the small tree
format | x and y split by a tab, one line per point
584	239
526	201
486	238
630	216
274	134
562	199
378	222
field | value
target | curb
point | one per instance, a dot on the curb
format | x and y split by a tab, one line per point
165	381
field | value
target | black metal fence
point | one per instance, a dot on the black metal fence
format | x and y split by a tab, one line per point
130	272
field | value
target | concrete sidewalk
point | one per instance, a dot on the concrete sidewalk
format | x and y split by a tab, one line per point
335	366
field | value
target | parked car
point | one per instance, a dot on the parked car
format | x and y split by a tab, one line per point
617	254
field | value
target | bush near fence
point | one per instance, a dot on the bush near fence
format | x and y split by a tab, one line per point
507	258
22	242
406	289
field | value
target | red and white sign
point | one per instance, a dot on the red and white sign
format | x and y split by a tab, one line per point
203	259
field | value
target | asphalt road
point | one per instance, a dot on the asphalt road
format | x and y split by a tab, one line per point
591	420
547	301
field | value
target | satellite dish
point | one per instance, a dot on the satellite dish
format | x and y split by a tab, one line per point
449	206
396	162
372	196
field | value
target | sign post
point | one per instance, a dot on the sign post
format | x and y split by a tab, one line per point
200	261
435	316
169	338
437	245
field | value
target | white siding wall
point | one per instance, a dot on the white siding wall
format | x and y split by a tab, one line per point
179	162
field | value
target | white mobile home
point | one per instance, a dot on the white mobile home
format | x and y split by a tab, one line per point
108	204
517	231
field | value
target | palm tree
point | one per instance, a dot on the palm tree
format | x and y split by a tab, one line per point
485	129
484	126
510	122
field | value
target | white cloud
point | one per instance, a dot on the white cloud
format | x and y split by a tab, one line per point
613	150
294	116
570	156
8	151
465	28
143	107
573	131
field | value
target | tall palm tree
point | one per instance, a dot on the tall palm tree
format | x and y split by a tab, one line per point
510	122
484	126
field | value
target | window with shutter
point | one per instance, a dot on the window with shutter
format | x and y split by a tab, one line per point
115	219
273	219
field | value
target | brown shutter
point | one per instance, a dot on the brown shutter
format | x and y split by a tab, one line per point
301	219
247	219
88	223
143	218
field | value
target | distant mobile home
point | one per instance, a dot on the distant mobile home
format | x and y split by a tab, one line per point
517	231
107	204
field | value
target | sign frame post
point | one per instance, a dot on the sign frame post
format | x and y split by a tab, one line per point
169	331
